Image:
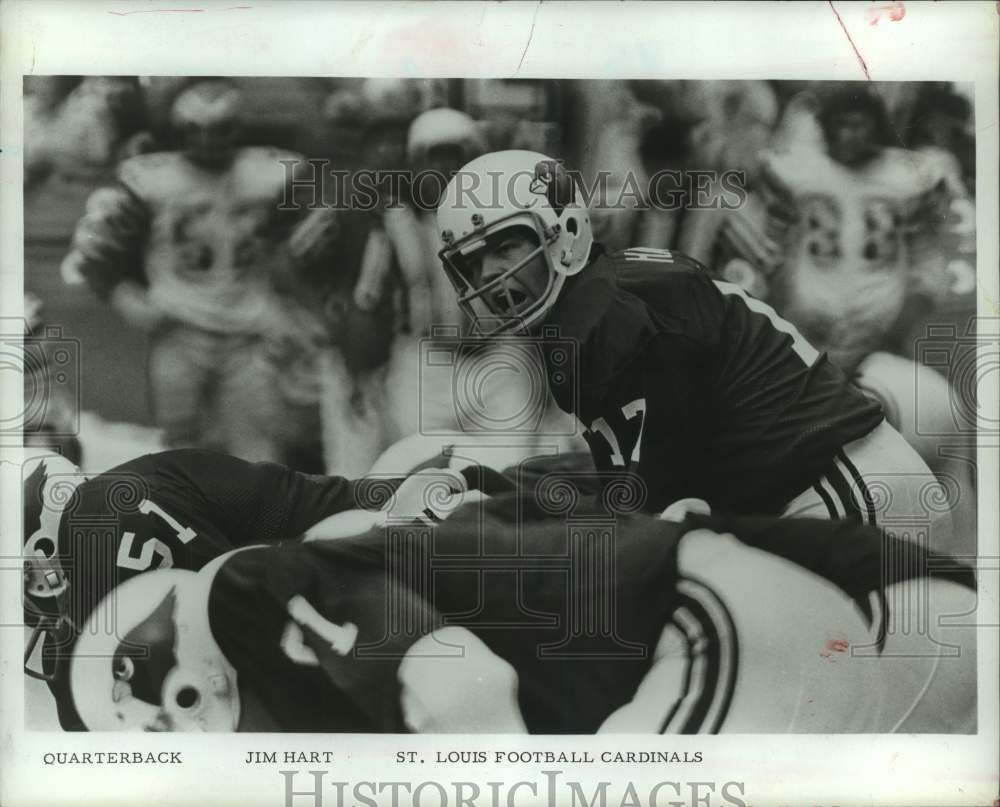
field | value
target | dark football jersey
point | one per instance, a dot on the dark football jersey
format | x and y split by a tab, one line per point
317	631
695	386
181	509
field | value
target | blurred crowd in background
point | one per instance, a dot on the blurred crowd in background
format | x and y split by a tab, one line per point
208	315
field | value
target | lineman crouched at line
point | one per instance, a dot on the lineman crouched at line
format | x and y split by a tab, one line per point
310	636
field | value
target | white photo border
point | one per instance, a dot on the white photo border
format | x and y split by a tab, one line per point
807	41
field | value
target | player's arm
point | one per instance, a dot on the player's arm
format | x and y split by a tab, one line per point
106	254
310	225
428	496
452	683
309	498
753	235
403	231
264	502
306	499
107	240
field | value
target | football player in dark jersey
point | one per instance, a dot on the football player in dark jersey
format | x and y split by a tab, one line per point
692	384
176	509
517	615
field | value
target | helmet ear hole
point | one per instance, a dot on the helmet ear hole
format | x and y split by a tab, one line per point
571	227
187	697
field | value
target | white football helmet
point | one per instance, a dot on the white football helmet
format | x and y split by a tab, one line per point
207	117
146	659
503	190
391	99
442	127
48	485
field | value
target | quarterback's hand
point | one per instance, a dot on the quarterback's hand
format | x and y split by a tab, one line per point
679	509
429	495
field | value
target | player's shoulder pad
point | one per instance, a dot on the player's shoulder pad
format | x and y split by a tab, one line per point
258	154
636	293
268	164
783	170
131	479
175	467
924	169
143	173
941	165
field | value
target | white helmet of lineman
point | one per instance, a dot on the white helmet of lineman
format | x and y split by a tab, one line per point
502	190
48	485
146	659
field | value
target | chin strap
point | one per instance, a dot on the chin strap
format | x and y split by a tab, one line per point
45	602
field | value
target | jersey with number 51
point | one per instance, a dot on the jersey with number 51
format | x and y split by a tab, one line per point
700	389
180	509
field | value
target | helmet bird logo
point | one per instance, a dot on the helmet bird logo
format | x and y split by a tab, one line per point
553	182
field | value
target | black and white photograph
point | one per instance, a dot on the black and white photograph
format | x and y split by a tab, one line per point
650	412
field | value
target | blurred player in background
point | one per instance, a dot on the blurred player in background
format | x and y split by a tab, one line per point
189	246
427	395
379	259
841	235
79	131
736	121
615	124
438	143
350	635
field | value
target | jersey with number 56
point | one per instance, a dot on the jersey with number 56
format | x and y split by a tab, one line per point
700	389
